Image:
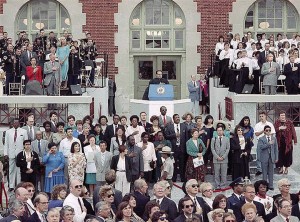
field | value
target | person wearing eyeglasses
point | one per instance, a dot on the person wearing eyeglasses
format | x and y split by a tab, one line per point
240	151
267	149
31	191
107	195
40	202
206	189
285	210
201	207
85	194
186	208
284	186
229	217
217	215
74	200
159	216
67	214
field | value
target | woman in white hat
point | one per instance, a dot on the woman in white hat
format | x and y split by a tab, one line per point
168	166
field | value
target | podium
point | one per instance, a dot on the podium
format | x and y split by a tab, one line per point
161	92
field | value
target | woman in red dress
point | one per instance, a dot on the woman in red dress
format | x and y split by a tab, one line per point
34	72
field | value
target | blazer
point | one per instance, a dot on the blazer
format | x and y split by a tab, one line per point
280	219
34	217
195	93
270	78
53	127
141	201
9	218
264	148
220	151
74	64
109	133
182	218
169	206
114	164
22	163
11	148
262	58
205	208
235	149
161	121
34	128
296	211
170	134
49	73
137	162
147	127
233	200
25	60
44	147
291	76
237	209
114	146
102	168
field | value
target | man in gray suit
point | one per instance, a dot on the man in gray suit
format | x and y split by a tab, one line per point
102	162
30	128
52	76
267	149
195	95
40	146
220	147
285	211
270	72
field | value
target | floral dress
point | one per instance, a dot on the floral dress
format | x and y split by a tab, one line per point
76	170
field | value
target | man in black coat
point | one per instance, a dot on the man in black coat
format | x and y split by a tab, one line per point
140	193
292	73
74	67
263	55
249	194
16	209
41	206
236	197
186	208
144	123
111	130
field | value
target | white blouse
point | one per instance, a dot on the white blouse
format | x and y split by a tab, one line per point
148	155
89	153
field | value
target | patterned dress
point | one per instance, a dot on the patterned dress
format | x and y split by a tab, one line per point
76	170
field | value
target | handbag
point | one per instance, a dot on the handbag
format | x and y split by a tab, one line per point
152	163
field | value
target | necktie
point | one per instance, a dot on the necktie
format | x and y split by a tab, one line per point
15	136
39	146
292	65
165	121
270	65
27	212
102	158
44	218
30	133
177	131
268	139
157	201
194	84
287	219
220	138
80	204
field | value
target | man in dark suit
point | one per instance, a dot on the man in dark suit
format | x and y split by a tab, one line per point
16	209
21	194
112	88
144	123
136	157
26	57
53	121
296	209
74	67
177	134
140	193
249	194
186	207
111	130
102	211
192	189
292	73
263	55
41	206
110	178
165	204
236	197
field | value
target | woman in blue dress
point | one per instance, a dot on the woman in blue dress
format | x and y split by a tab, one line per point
54	162
63	52
248	130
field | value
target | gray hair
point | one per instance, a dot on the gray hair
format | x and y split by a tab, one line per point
190	183
138	184
281	182
15	205
204	186
99	206
64	209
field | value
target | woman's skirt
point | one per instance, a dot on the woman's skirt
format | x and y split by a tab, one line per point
50	182
191	172
90	178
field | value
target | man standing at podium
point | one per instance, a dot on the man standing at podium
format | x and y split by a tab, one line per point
158	80
194	95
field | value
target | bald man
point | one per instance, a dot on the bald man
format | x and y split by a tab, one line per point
22	195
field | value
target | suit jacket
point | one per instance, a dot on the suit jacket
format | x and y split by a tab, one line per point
233	200
169	206
205	208
114	164
292	77
182	218
112	88
235	149
262	58
44	147
53	127
49	73
34	217
11	148
237	209
195	93
74	64
137	161
296	211
102	168
34	129
170	134
264	148
280	219
117	201
161	121
114	146
147	127
220	150
141	201
109	133
22	163
270	78
25	60
9	218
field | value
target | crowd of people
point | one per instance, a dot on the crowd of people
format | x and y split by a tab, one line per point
245	60
46	62
87	171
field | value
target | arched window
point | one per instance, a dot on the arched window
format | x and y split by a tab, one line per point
157	25
272	17
49	15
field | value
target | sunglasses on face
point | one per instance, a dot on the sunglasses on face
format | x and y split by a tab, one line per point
162	218
240	130
31	191
110	195
78	186
229	220
267	130
188	206
86	193
219	215
286	185
195	185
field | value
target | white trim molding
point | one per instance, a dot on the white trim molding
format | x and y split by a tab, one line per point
12	7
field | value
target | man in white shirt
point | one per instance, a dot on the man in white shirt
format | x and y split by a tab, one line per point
135	130
65	148
259	132
74	200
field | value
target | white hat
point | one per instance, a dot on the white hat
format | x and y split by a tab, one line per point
166	150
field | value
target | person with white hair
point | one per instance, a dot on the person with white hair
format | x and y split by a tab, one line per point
16	209
284	186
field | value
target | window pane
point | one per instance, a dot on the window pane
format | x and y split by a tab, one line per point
270	3
271	23
157	44
169	69
52	5
178	34
278	13
270	13
136	16
291	22
52	14
278	4
179	44
165	16
157	16
249	22
278	23
165	44
44	14
44	24
149	43
52	24
135	44
135	34
23	24
165	34
149	12
262	13
35	15
145	69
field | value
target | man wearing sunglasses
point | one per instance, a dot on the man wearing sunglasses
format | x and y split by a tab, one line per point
74	200
267	149
187	206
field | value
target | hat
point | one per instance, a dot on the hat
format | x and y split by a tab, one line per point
166	150
237	181
222	122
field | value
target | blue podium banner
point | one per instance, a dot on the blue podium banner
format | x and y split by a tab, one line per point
161	92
